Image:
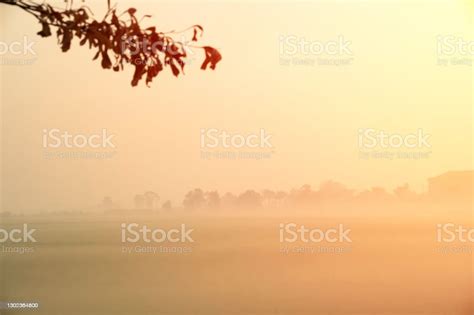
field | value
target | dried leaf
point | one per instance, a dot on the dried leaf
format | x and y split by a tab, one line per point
212	56
46	30
195	32
147	49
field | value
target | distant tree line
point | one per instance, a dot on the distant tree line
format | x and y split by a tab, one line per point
328	192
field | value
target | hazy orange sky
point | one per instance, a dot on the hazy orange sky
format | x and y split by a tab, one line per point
393	83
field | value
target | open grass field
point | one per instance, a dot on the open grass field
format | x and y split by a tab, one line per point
236	265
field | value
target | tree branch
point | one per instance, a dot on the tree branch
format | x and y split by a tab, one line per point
148	50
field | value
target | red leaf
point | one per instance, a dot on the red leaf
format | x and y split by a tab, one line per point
195	32
46	31
96	55
106	63
212	57
174	68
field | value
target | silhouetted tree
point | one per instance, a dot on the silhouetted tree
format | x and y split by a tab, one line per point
108	204
194	199
271	198
405	194
213	199
375	194
281	196
167	205
302	196
151	199
148	50
250	199
333	191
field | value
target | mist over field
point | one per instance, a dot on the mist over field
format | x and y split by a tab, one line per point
238	263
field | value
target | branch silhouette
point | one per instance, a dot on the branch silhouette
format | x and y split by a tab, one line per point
119	36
